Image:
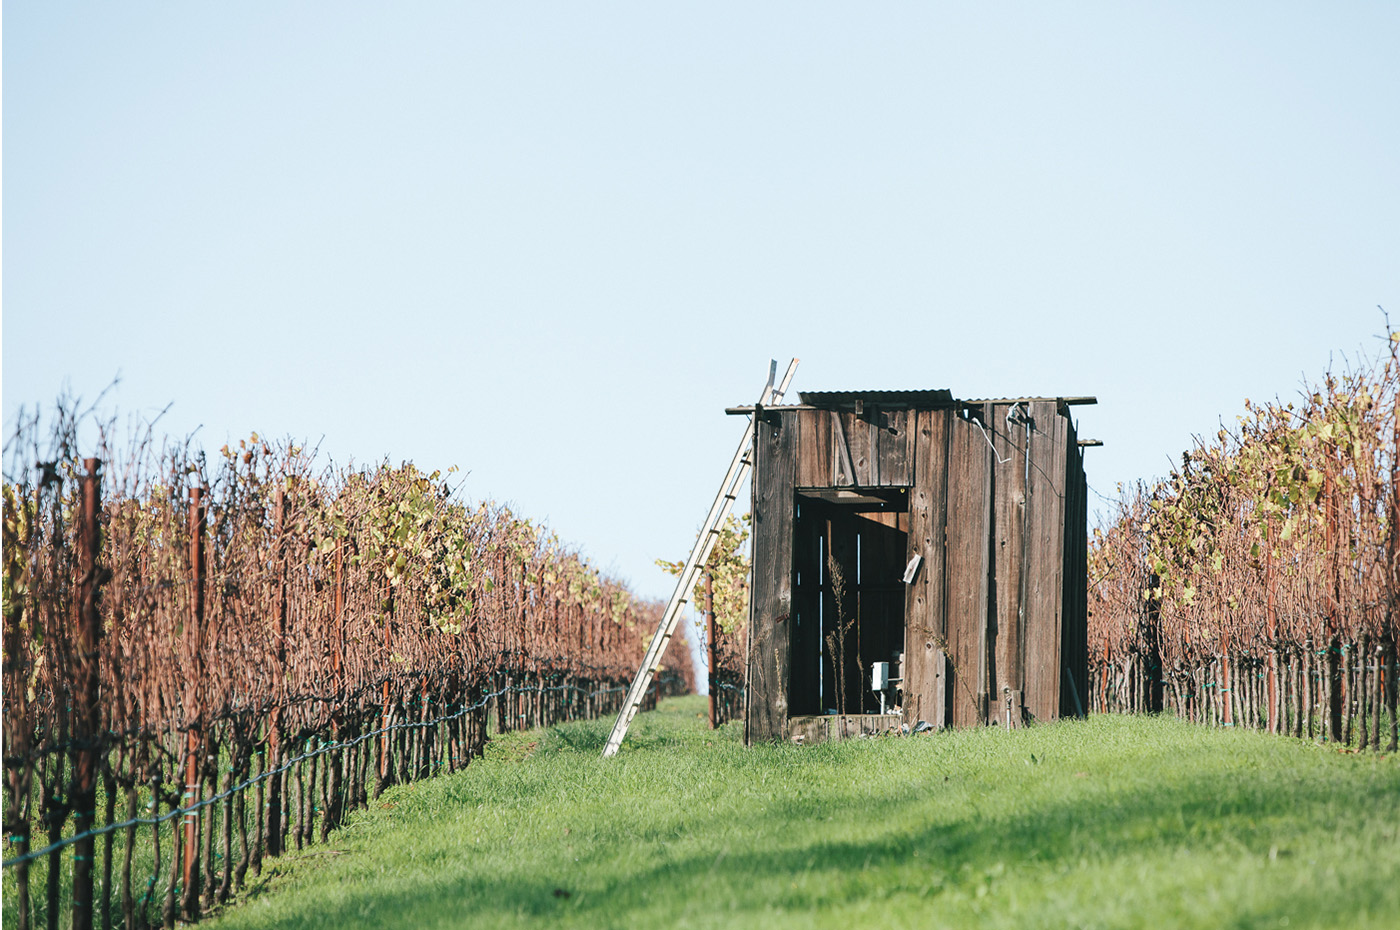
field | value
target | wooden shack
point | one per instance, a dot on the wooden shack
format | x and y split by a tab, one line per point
944	537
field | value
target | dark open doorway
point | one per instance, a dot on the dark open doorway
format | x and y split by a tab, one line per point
849	556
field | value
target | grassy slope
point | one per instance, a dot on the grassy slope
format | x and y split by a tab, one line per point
1110	822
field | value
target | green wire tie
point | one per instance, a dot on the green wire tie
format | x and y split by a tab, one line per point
18	839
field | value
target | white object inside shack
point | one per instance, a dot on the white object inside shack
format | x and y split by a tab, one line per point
880	680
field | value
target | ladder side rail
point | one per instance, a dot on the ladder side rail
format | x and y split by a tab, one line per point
662	639
719	509
704	545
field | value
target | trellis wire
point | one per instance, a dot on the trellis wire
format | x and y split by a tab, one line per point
286	766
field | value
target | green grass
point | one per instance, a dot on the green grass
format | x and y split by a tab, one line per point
1110	822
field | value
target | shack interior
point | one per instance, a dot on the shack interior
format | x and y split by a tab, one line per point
918	560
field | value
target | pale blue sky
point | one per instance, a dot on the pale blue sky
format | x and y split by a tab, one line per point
550	242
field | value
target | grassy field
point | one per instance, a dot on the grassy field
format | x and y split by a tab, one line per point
1110	822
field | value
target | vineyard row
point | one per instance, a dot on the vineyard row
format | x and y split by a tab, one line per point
203	665
1258	585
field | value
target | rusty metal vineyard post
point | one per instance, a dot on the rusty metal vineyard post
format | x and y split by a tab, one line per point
333	776
1392	575
1271	627
386	743
194	639
87	731
710	643
272	840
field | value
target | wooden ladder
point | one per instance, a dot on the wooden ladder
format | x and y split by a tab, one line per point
704	544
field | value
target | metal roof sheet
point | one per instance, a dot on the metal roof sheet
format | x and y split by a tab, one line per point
1068	400
939	398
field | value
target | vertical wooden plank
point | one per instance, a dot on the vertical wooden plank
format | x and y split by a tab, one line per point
851	449
986	650
872	443
814	449
804	690
1009	487
969	500
1067	553
892	439
1081	578
843	472
1074	651
996	599
925	631
1045	561
862	458
771	599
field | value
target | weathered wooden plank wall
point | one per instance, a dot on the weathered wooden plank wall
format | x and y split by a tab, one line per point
1074	623
892	438
998	603
1045	560
841	450
969	509
812	468
1009	506
816	448
770	606
925	621
850	450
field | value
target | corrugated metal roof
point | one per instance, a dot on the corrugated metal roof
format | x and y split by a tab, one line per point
1069	401
882	398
